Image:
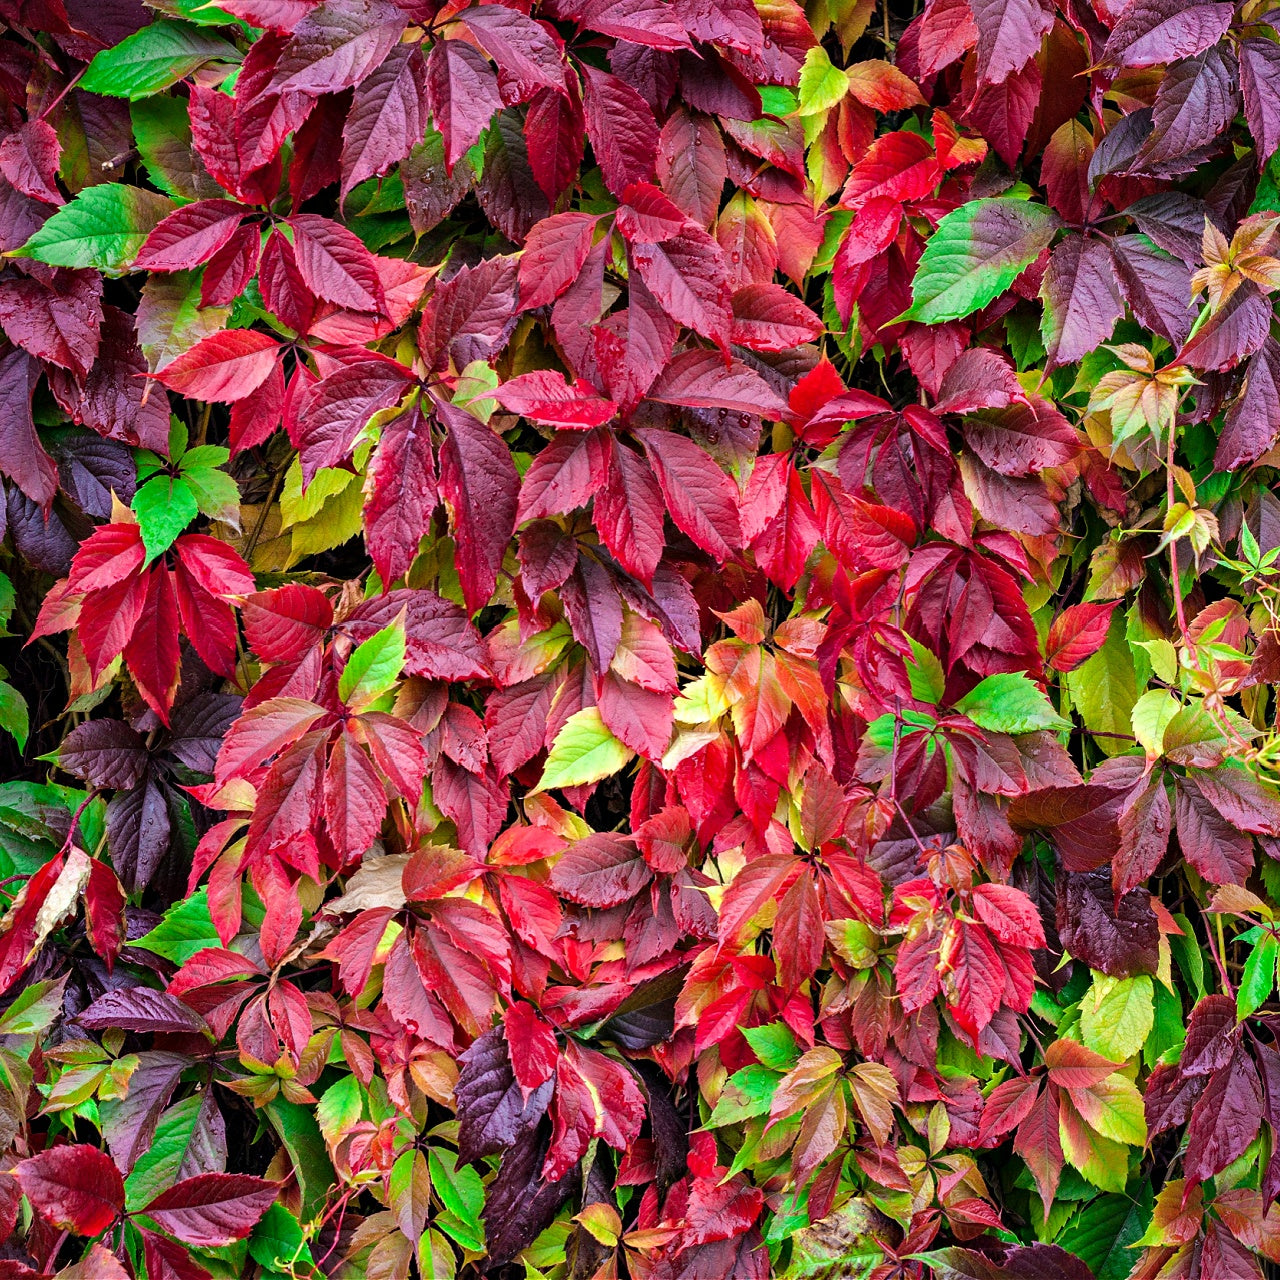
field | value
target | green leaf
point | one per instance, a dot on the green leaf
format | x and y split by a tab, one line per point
1102	1231
1009	702
154	58
34	1009
1116	1110
187	927
297	1129
822	86
1104	688
975	254
774	1044
103	227
1116	1015
341	1106
746	1094
584	751
216	493
277	1241
13	714
7	600
1151	716
158	1165
374	667
463	1195
165	505
928	680
1259	977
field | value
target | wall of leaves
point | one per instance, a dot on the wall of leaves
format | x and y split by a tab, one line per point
640	639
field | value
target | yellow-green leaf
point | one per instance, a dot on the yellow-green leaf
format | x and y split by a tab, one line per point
584	751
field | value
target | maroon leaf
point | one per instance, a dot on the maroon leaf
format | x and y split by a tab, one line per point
702	500
336	45
1259	66
212	1209
479	484
601	871
1225	1119
332	412
104	753
463	92
1081	301
60	321
401	494
1009	35
22	457
528	54
1154	31
698	379
1252	421
141	1009
388	116
623	132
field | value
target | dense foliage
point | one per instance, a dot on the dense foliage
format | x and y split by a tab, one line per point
642	639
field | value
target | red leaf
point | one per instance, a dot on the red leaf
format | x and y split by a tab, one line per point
152	653
766	317
463	92
1009	914
354	801
532	1046
620	124
401	494
215	565
1077	633
545	396
692	168
283	624
797	933
1009	35
629	513
555	135
104	904
687	275
701	498
77	1188
189	236
334	264
212	1209
554	252
479	484
565	475
698	379
224	366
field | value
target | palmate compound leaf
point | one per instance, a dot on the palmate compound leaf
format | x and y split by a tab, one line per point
975	254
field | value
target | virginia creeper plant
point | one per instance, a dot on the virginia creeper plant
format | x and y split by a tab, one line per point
640	639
